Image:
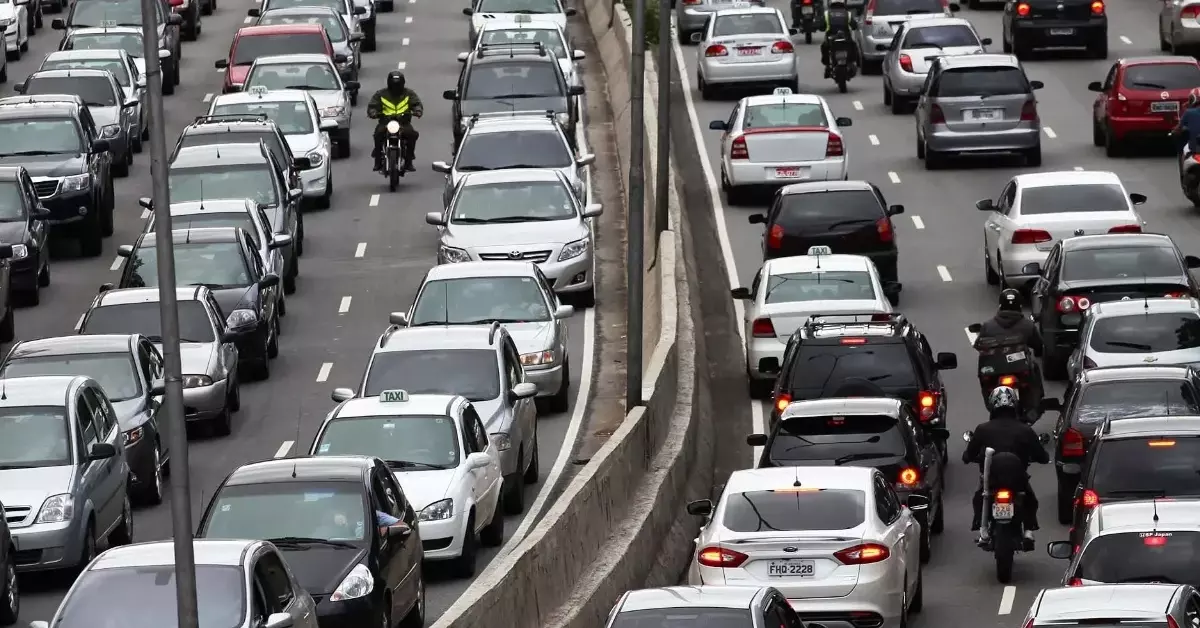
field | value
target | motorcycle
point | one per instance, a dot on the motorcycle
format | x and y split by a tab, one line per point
804	18
394	148
1006	361
843	61
1001	531
1189	175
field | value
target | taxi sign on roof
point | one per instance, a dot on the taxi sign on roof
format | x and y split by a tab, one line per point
108	23
257	90
820	250
522	18
782	91
393	396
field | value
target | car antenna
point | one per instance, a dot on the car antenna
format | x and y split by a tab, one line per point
1154	502
3	388
1145	295
202	195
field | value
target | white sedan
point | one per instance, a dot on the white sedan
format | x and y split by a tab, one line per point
1036	210
787	291
835	541
744	47
780	139
15	20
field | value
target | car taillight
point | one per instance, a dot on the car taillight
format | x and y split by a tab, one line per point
775	237
782	401
1097	7
692	1
864	554
906	63
1190	13
1030	236
833	146
1175	295
720	557
762	328
936	116
1072	443
807	2
927	404
909	477
1171	623
716	50
783	48
1089	499
1029	112
1002	496
883	227
738	150
1075	582
1023	9
1070	304
1126	229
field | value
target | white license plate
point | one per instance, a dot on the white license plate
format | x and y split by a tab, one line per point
1002	511
793	568
1015	357
791	172
749	52
841	56
983	115
1062	31
806	10
1164	107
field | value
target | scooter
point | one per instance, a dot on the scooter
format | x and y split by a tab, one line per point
1007	361
1001	531
843	61
804	18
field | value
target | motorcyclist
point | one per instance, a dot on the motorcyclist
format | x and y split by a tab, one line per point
839	22
395	102
1010	321
1187	131
1016	446
797	16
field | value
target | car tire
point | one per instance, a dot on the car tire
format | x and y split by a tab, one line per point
120	167
933	161
918	599
123	533
168	81
416	615
326	199
1054	368
707	92
152	493
273	341
920	149
8	326
684	37
492	535
1033	157
534	471
1099	48
512	494
561	401
1097	134
464	565
938	525
91	244
43	278
1112	146
235	397
759	389
343	146
899	107
289	284
369	43
10	593
990	275
925	545
87	553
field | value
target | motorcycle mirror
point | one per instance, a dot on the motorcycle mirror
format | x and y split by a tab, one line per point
966	437
1062	550
697	37
974	328
793	31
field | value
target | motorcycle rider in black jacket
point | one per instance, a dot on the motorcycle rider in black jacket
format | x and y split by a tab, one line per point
1011	321
1007	434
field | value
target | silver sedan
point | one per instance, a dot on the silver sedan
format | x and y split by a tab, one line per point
746	47
692	15
907	59
1179	26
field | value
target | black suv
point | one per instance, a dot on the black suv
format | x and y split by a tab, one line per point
1112	393
512	78
23	225
1030	24
95	13
56	140
1091	269
849	217
243	129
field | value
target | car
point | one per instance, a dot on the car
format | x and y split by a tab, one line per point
318	508
950	120
1089	269
1140	99
58	143
23	227
1177	32
10	593
345	42
111	15
1151	605
14	17
191	11
124	38
518	296
691	16
242	129
317	75
1035	210
34	14
479	362
252	42
849	217
1031	24
772	141
225	260
1129	333
244	583
437	449
522	215
907	58
502	141
297	116
114	114
494	73
524	28
730	36
881	18
482	11
786	291
352	11
65	477
759	607
863	563
207	351
123	67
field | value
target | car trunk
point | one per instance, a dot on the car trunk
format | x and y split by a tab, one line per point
975	114
786	318
1102	290
852	235
787	144
1061	226
1156	89
830	578
751	48
922	58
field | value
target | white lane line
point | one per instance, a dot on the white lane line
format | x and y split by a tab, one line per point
412	1
917	222
971	336
1010	592
401	65
247	20
404	42
1049	132
1125	40
208	97
374	202
874	139
894	177
858	106
116	265
344	306
1079	167
360	250
408	19
145	214
945	273
285	449
323	374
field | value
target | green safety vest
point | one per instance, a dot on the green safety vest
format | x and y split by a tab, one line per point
393	109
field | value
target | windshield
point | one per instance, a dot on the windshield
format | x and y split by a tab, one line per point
518	201
144	318
332	24
336	5
1161	76
747	24
841	439
252	181
908	7
472	373
480	300
819	368
217	265
292	117
40	136
250	47
12	204
105	597
513	149
548	37
293	76
424	441
205	221
114	371
1147	467
1060	199
819	286
514	79
96	12
1168	557
783	115
791	510
1121	263
947	36
685	617
34	436
824	211
981	81
94	90
1146	333
1135	398
333	511
518	6
129	42
115	66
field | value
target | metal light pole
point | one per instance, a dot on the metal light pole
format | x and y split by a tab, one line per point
181	502
635	227
663	175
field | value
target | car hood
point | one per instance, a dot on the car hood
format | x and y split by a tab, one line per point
557	104
425	487
31	487
7	11
237	73
327	98
195	357
531	337
320	569
14	232
63	165
557	232
104	116
301	145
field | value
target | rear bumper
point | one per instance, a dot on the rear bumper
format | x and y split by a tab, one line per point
717	73
944	140
1036	33
764	173
1157	127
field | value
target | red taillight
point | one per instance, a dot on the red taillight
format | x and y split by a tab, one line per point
783	48
1126	229
716	50
927	404
807	2
1070	304
883	227
1030	236
782	401
1008	380
692	1
1023	9
1089	499
864	554
775	237
1002	496
833	146
738	150
936	116
1075	582
909	477
720	557
1190	12
762	328
1029	112
1072	443
1097	7
1154	541
1175	295
906	63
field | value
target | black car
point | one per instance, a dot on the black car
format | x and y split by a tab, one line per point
1112	393
226	261
10	600
58	143
190	11
883	433
96	13
1091	269
506	78
23	225
1031	24
243	129
849	217
323	513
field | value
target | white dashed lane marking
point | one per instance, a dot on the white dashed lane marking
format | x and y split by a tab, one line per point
1049	132
1079	167
945	273
894	177
1125	40
208	97
374	202
858	105
285	449
323	374
404	42
360	250
401	65
971	336
874	140
1006	599
408	20
116	265
344	306
918	223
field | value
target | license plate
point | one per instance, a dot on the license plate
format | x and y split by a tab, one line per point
749	52
1002	511
791	172
793	568
841	56
1015	357
1062	31
983	115
1164	107
806	10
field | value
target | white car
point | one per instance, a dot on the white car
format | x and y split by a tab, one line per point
15	20
787	291
1036	210
832	540
318	76
297	116
528	29
745	47
483	11
780	139
440	453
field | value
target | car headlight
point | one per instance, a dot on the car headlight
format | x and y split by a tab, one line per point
541	358
573	250
437	511
451	255
315	158
333	112
57	509
20	251
501	440
134	435
110	131
196	381
241	318
349	61
358	582
75	183
6	23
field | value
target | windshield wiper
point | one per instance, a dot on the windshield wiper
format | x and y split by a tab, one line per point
137	24
299	87
1156	579
473	168
852	221
853	457
307	540
1137	492
503	219
407	464
1149	85
485	321
520	96
1129	345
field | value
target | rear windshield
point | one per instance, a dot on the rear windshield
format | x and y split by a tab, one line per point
784	115
907	7
838	439
333	25
129	42
228	219
1146	468
96	91
1146	333
249	48
824	368
1142	557
819	286
1159	76
116	66
685	617
794	510
948	36
747	24
515	149
1121	263
829	210
518	79
994	81
1129	399
1060	199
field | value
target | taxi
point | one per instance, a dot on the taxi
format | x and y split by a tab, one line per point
743	47
527	29
483	11
440	453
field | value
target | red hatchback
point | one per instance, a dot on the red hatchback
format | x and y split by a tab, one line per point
1140	99
253	42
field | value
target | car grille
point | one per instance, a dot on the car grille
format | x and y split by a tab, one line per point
46	188
27	557
537	257
16	514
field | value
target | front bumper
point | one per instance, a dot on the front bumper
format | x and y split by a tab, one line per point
70	209
443	540
548	380
355	613
573	275
205	402
775	70
315	181
47	546
761	173
23	272
1036	33
140	456
943	140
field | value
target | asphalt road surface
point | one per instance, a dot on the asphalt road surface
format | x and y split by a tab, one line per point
366	258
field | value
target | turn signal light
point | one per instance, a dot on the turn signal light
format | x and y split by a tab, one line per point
1023	9
1003	496
1089	499
1072	443
1008	380
883	227
1069	304
1097	8
927	401
864	554
782	402
720	557
909	477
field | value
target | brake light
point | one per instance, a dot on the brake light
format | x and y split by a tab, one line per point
1075	582
1190	13
1008	380
1029	111
1003	496
883	227
1161	443
864	554
1069	304
762	328
854	341
1171	623
1175	295
720	557
833	146
738	150
927	401
716	50
783	48
782	401
692	1
775	237
1126	229
936	116
1072	443
1089	499
1097	7
1030	236
1023	9
909	477
906	63
807	2
1155	541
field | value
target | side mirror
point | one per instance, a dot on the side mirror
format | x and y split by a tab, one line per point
986	41
463	56
578	55
740	293
450	94
360	10
40	211
164	53
955	7
102	451
524	390
1192	261
140	82
1034	268
130	104
697	38
478	460
843	121
700	508
757	440
1050	404
757	219
917	503
570	12
341	394
352	86
254	13
894	210
295	194
398	531
563	312
593	210
278	620
176	19
125	250
59	25
1062	550
435	218
718	125
892	290
967	436
328	125
468	11
1095	86
19	87
985	205
339	58
158	389
881	47
100	146
769	366
585	159
230	336
975	328
221	64
300	163
576	90
1036	85
280	241
269	280
356	37
399	319
947	361
1137	199
105	287
442	167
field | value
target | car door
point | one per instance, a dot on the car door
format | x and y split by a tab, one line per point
151	374
561	330
997	226
1043	286
108	431
388	551
924	100
893	527
37	226
92	473
278	590
488	478
1100	106
268	296
408	558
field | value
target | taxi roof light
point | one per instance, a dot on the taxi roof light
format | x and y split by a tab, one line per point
785	91
393	396
257	90
818	250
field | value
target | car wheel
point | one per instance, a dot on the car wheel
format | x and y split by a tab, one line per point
222	424
918	598
1065	500
513	494
898	105
8	324
235	396
990	275
1033	157
88	552
326	199
492	535
152	493
561	401
168	82
464	565
11	608
289	283
926	547
123	534
1112	146
534	470
938	525
416	616
1097	134
120	167
43	279
887	96
273	341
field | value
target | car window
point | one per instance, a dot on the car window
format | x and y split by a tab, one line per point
549	38
747	24
118	68
531	7
469	418
333	25
1134	398
823	368
821	211
479	434
293	76
113	370
512	360
385	499
517	201
104	597
96	91
1133	466
1127	263
332	510
124	12
819	286
87	423
12	202
841	439
129	42
1162	556
514	149
782	115
686	617
514	79
273	578
403	441
909	7
471	373
794	509
105	421
1057	199
982	81
1161	76
1146	333
480	300
37	436
247	48
936	37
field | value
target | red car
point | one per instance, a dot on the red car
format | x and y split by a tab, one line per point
252	42
1140	100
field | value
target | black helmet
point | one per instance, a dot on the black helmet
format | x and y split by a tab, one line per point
1010	299
395	80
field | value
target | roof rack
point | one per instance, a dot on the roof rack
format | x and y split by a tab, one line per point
819	321
512	49
232	117
501	115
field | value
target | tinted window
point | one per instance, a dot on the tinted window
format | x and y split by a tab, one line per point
828	210
1142	557
320	510
252	181
332	24
116	66
948	36
842	439
12	204
518	6
143	318
249	48
291	117
103	597
481	300
747	24
996	81
33	436
40	136
1057	199
129	42
1160	76
404	442
294	76
214	264
908	7
824	368
204	221
93	12
515	149
515	79
689	617
1133	466
549	38
94	90
115	371
519	201
819	286
471	373
1145	333
1129	263
1135	399
784	115
791	510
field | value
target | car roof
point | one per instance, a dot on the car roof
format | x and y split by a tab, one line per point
303	469
100	30
1123	373
510	22
690	597
1066	177
809	263
751	10
511	175
87	53
1158	305
125	296
59	106
774	99
207	552
1156	59
213	206
278	29
1113	240
270	95
747	480
1147	515
809	187
308	57
416	405
509	124
1129	601
467	270
302	10
73	345
1142	427
198	235
44	390
929	22
978	61
432	338
842	406
218	155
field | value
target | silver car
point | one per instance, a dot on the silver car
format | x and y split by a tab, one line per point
518	296
64	478
1163	330
239	212
317	75
482	11
883	17
975	104
525	29
123	67
115	115
344	41
1179	26
913	49
745	47
522	215
738	606
691	16
1146	605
